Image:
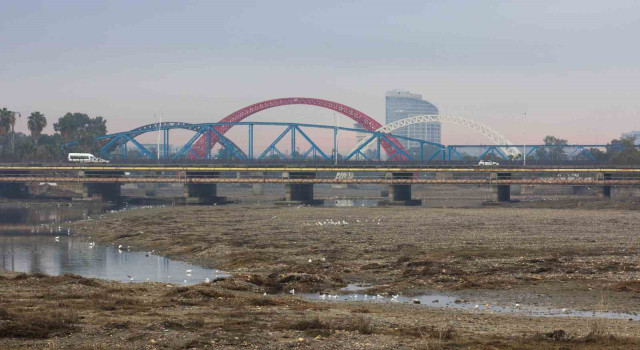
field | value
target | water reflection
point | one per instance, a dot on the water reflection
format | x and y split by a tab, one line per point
31	219
28	244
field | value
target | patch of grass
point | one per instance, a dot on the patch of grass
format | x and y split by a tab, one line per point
38	324
360	324
444	332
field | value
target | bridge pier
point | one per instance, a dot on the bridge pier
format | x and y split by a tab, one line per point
299	193
101	191
606	190
257	188
200	193
105	191
399	194
501	193
14	190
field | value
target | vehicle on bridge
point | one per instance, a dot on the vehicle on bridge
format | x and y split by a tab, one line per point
85	158
488	162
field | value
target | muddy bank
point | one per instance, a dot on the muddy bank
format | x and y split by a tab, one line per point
71	312
407	250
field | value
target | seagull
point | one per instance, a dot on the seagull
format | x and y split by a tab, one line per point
57	238
207	280
265	293
293	291
477	306
517	305
188	271
131	277
310	260
120	247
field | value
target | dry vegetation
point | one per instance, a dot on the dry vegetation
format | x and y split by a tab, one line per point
404	249
73	312
573	258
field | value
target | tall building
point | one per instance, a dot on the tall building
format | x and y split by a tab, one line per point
403	104
635	134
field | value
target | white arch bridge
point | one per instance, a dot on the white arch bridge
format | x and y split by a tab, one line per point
497	138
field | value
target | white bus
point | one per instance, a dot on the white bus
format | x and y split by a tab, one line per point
85	158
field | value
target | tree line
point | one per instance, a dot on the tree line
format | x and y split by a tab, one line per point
38	146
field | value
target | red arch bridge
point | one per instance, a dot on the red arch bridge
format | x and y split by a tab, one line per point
298	142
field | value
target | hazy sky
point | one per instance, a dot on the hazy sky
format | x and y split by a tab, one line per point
572	66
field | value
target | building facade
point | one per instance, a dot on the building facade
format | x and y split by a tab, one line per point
403	104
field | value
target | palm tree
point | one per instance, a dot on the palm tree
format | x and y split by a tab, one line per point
36	123
4	125
8	121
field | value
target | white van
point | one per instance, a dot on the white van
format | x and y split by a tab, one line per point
488	162
85	158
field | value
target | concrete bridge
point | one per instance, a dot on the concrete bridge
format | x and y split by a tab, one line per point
103	182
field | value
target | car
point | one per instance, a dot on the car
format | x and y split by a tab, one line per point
85	158
488	162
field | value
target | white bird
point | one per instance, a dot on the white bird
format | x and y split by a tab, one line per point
517	305
323	296
310	260
265	293
131	277
275	216
323	259
188	271
477	306
563	310
120	247
57	238
293	291
207	280
185	281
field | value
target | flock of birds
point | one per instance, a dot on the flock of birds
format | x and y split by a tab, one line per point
339	222
365	297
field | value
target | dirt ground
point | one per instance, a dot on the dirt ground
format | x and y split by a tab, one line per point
580	258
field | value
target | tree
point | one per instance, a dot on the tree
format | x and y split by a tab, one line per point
7	124
79	127
625	151
36	124
555	152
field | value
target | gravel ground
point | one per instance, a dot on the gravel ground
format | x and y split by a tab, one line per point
572	258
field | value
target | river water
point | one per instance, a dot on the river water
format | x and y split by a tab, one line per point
32	241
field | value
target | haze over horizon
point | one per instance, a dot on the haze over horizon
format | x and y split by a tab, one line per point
571	66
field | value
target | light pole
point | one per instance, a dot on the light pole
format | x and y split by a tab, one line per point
524	143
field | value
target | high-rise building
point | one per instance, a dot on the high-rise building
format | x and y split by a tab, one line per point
403	104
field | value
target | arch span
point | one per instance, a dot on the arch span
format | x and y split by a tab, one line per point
367	122
493	135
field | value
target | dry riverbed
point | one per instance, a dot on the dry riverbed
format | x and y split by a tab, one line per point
578	259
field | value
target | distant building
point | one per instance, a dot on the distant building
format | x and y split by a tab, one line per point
359	135
635	134
403	104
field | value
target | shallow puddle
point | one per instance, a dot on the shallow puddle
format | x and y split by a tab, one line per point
443	301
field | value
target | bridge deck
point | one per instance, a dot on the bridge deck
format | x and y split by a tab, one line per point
379	180
339	168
